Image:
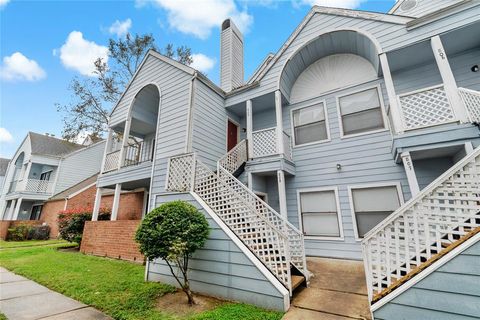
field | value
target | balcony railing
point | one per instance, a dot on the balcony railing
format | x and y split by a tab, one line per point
431	106
265	143
31	185
111	161
139	152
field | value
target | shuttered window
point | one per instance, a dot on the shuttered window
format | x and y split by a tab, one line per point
372	205
309	124
319	213
361	112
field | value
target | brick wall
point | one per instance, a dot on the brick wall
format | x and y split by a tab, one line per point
114	239
130	207
4	225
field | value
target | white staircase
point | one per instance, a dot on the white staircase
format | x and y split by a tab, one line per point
424	228
275	242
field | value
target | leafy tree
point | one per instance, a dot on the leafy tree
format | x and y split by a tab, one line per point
93	97
173	232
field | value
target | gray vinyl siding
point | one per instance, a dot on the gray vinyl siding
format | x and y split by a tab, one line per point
263	120
390	36
428	170
450	292
461	65
220	268
209	125
424	7
79	166
365	159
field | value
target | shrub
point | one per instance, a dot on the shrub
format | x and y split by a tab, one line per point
19	233
24	232
173	232
71	222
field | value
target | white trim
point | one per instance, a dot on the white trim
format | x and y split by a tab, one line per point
238	132
395	111
396	184
426	272
279	123
382	109
410	172
469	147
249	124
96	204
327	123
190	114
262	194
339	213
282	194
160	101
116	202
246	251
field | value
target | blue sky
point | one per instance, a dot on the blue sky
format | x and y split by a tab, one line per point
40	51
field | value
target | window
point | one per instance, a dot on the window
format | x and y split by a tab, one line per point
35	213
309	124
371	205
45	175
319	213
361	112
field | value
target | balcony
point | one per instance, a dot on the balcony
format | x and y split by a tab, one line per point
265	144
32	186
431	106
134	154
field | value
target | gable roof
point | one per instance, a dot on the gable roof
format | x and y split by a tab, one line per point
75	188
47	145
3	166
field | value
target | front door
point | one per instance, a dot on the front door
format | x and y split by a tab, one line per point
232	135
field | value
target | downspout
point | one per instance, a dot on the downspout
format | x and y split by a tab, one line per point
189	135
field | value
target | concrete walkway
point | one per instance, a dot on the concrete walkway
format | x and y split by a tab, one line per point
337	291
23	299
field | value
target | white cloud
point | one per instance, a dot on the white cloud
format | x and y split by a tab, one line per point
5	136
347	4
200	17
80	54
3	3
202	63
120	28
19	67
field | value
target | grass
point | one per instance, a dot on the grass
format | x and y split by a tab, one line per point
112	286
29	243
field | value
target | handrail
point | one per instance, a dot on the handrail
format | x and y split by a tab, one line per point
420	90
266	129
424	192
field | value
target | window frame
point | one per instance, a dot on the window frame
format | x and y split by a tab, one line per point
382	110
327	124
341	237
50	171
350	188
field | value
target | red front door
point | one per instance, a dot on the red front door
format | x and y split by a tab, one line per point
232	135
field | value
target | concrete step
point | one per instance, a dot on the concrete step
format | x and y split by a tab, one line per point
297	281
295	313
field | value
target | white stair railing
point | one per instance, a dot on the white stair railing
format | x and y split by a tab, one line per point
230	163
265	240
439	215
471	100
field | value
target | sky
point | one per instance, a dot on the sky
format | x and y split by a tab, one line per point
44	44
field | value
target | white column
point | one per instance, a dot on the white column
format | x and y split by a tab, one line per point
25	176
410	171
448	79
108	147
392	95
279	120
116	201
17	209
250	180
145	202
468	148
282	194
96	205
249	115
126	135
11	210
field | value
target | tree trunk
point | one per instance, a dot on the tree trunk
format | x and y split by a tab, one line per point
189	294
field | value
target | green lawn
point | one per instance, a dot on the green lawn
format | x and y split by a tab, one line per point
113	286
29	243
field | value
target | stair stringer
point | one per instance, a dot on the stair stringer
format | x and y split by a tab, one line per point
248	253
475	239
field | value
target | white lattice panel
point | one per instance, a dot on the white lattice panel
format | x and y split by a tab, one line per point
443	212
111	161
425	108
264	142
471	100
180	173
234	159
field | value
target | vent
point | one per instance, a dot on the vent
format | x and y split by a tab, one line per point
408	5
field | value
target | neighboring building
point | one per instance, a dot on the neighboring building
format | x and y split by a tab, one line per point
350	121
82	196
41	167
3	169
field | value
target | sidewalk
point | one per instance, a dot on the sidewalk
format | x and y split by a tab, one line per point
23	299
